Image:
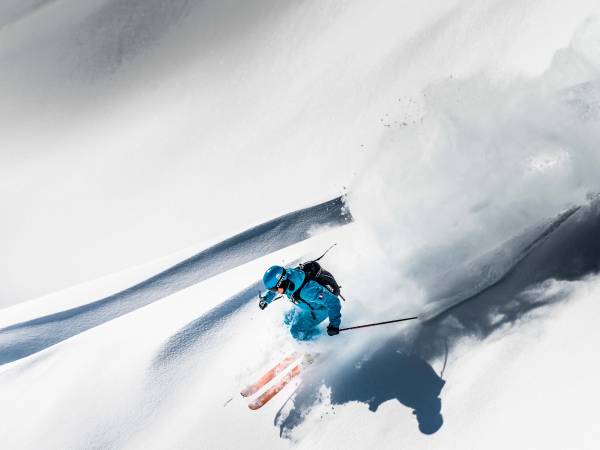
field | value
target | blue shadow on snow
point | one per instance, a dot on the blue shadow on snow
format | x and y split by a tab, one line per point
26	338
391	372
399	368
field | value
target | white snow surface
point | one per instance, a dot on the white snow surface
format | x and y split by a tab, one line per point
466	137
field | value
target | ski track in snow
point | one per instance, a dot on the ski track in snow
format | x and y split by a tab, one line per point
192	334
23	339
470	279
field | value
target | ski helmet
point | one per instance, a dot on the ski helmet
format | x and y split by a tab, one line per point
274	277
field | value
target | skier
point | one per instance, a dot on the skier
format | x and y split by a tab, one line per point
314	301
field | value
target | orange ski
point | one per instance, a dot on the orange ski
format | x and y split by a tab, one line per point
266	396
272	373
272	391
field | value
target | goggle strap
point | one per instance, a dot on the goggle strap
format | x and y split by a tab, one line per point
278	284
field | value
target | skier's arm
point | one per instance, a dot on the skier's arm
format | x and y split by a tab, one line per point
266	299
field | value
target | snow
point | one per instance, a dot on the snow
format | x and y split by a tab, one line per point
158	156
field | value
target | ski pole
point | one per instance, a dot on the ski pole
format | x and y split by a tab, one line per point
326	251
262	297
377	323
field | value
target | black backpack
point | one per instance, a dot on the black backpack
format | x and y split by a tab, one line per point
314	272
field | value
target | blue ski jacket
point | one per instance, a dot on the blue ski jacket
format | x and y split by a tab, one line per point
313	297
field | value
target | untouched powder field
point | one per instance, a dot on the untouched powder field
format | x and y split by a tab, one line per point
157	156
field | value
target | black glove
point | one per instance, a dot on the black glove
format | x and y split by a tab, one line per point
332	331
262	304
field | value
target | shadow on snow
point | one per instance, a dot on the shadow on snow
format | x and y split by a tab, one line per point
23	339
194	333
400	370
391	372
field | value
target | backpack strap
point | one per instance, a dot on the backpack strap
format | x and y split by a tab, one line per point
296	296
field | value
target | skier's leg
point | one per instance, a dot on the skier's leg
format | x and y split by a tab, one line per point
305	326
289	315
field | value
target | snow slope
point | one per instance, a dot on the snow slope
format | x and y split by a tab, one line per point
154	378
466	138
30	336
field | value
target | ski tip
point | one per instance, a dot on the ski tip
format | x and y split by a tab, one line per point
250	391
254	406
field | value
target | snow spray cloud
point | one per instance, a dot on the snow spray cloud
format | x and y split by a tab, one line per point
486	162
